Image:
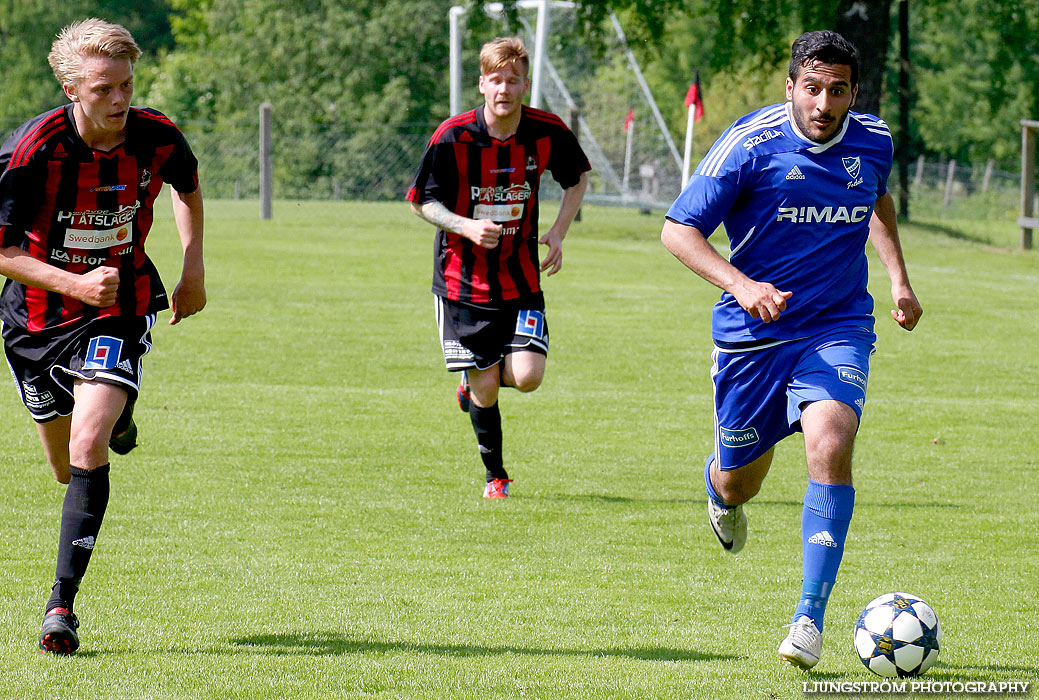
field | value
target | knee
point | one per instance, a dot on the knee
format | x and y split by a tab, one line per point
527	382
831	450
88	450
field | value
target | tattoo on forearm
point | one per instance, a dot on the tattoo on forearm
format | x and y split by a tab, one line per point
437	213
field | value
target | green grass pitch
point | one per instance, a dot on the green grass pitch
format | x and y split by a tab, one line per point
304	520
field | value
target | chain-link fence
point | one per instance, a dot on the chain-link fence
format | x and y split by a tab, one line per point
348	161
948	189
377	162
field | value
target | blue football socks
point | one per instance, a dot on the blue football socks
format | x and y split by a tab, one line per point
711	493
824	528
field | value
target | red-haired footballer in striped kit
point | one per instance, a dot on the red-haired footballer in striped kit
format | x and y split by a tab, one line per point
478	184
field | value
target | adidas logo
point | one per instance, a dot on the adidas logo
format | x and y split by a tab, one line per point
824	538
85	543
795	174
125	366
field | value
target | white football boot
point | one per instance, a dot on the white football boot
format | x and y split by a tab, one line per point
729	525
803	644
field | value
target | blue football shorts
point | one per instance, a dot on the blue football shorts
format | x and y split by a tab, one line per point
476	337
759	394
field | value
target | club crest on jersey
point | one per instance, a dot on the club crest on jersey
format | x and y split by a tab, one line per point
530	323
146	177
854	168
103	352
531	163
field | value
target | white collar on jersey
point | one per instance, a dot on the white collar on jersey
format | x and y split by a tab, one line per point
817	147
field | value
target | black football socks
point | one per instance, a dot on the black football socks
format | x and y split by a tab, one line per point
86	500
487	426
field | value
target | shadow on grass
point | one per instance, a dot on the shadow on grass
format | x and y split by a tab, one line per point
333	644
604	498
951	232
946	672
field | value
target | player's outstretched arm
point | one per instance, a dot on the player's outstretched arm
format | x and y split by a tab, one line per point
759	299
483	232
99	287
568	208
883	234
189	296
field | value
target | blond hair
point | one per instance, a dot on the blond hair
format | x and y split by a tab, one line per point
502	51
89	37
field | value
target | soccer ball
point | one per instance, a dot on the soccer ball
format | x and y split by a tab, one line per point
897	635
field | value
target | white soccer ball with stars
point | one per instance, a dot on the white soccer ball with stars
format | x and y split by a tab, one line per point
898	635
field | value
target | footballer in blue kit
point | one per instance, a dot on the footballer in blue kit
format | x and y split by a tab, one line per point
800	187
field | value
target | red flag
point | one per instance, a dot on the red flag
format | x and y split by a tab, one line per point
693	97
629	119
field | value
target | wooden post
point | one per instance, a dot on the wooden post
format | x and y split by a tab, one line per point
949	180
1027	220
918	179
987	180
266	158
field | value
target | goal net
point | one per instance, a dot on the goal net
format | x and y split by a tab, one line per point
602	95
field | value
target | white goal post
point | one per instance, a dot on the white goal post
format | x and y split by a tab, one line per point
1028	221
549	91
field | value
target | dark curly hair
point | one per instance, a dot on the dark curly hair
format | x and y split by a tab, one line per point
827	47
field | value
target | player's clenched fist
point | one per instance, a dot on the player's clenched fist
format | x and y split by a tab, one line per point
483	232
99	287
761	300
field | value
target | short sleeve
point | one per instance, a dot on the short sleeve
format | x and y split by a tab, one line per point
19	193
885	175
424	187
567	160
706	201
181	169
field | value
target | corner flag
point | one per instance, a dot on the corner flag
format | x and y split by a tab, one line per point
695	97
629	128
694	112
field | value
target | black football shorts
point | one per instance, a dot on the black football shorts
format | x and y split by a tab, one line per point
476	337
45	366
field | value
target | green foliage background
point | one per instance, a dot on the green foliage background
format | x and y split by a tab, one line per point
346	78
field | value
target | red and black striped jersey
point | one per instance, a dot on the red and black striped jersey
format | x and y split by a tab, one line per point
77	209
480	177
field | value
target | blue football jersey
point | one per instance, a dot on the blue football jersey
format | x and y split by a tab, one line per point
797	215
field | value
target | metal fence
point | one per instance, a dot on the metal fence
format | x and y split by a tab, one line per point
357	162
377	162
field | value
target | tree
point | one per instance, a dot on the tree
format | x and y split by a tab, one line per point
764	31
336	74
27	29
